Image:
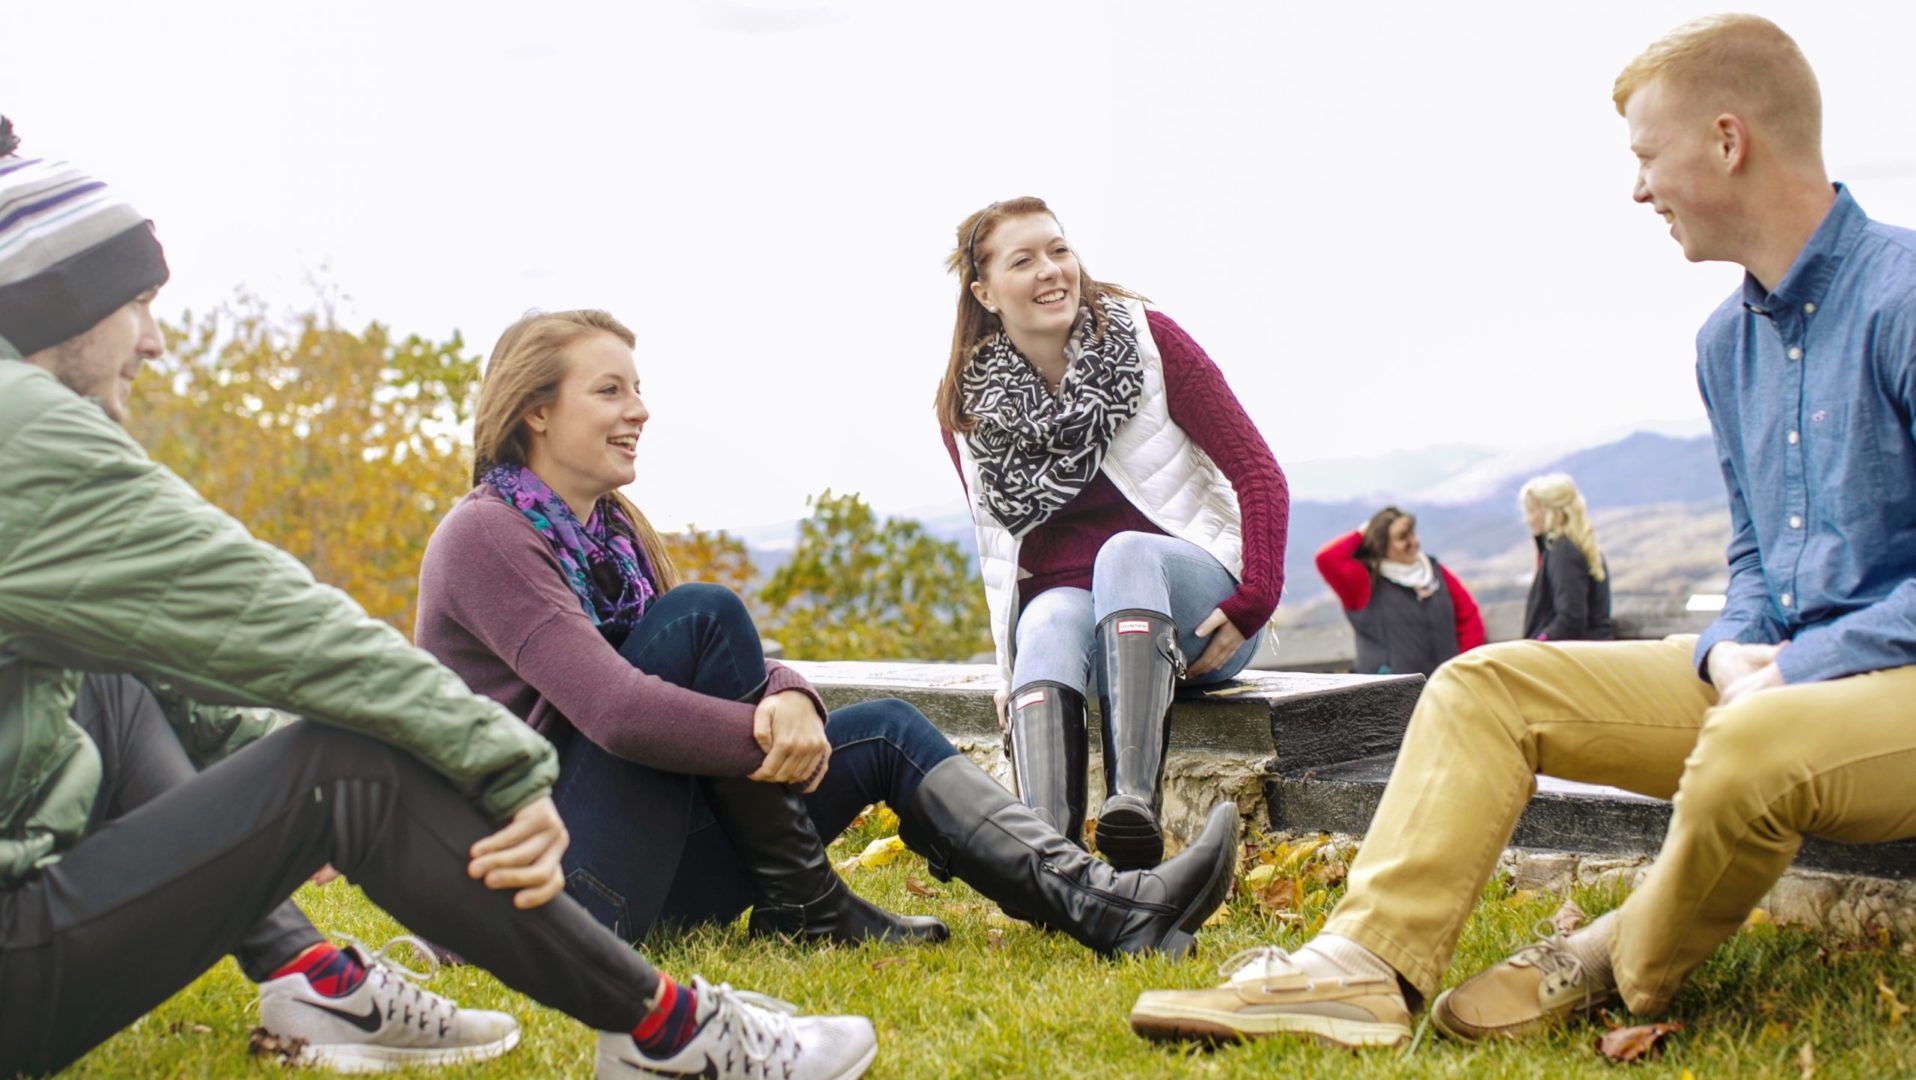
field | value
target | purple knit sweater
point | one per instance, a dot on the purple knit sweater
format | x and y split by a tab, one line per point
494	607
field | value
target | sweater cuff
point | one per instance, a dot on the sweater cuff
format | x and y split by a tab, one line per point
1247	615
779	678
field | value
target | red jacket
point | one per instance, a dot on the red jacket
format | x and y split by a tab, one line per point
1350	580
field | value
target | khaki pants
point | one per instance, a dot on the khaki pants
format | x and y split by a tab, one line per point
1835	759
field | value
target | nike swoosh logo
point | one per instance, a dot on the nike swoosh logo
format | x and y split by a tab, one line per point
710	1072
368	1023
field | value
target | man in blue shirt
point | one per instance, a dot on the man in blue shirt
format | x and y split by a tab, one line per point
1794	713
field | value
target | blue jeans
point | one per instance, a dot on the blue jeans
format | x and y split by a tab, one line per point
1133	570
645	844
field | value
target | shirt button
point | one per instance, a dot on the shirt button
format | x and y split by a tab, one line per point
1796	353
1784	599
1795	522
1793	438
1809	309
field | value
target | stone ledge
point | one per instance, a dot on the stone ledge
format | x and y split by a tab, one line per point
1223	745
1306	719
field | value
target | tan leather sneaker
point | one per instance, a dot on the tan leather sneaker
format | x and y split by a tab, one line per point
1539	986
1269	993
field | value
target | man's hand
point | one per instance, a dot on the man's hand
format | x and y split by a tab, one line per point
792	734
524	856
1225	642
1739	670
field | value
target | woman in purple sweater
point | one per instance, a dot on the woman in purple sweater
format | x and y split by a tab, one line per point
1130	518
697	777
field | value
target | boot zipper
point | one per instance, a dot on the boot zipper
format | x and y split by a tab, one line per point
1126	901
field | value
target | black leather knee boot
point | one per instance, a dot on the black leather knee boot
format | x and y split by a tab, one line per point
796	892
1046	740
967	825
1139	666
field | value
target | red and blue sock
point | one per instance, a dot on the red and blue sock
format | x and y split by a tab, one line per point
671	1023
332	972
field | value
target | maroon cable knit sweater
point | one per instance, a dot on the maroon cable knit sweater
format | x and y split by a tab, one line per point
1061	551
494	607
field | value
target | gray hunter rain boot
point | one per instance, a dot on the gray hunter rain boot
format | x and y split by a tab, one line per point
1139	665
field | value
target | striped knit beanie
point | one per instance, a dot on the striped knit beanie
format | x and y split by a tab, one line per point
71	252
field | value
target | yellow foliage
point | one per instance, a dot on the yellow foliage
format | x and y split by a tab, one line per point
881	851
344	448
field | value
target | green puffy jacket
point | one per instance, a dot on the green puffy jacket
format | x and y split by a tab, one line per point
109	562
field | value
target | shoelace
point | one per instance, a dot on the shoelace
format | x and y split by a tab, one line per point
764	1022
1552	957
1264	954
392	972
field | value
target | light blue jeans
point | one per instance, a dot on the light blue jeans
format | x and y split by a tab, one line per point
1133	570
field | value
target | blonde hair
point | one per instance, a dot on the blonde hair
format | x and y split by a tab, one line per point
1742	64
974	323
523	374
1564	516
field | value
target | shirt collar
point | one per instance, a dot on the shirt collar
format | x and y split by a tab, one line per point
1809	276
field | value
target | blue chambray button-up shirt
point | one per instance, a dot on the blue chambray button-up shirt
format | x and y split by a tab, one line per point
1811	391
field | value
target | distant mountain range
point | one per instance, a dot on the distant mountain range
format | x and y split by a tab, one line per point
1657	501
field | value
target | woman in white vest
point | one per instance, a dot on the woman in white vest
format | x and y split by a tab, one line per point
1130	517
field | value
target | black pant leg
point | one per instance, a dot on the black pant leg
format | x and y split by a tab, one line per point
141	757
139	908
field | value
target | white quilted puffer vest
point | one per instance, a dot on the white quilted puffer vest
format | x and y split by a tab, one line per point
1153	463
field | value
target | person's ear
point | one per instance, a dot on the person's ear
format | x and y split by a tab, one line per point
537	421
1731	140
983	296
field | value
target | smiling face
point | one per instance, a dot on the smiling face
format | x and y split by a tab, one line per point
1685	157
102	363
1029	278
584	444
1404	547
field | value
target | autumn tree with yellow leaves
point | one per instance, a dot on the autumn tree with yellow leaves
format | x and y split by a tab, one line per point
343	447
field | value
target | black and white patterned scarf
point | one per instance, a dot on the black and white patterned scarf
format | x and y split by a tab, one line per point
1035	449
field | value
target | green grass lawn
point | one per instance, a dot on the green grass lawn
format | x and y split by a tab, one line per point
1001	999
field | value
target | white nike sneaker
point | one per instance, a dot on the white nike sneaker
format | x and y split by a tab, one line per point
388	1022
750	1036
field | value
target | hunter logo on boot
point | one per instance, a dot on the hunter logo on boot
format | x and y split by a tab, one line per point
1031	698
1134	626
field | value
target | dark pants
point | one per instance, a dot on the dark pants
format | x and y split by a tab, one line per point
645	845
140	758
157	894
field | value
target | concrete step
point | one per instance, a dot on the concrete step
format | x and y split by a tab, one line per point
1562	816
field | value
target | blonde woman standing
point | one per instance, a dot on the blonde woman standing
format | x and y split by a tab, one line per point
1570	596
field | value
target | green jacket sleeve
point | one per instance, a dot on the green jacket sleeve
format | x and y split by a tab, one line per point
211	733
109	560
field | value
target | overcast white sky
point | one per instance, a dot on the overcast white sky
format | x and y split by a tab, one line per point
1393	225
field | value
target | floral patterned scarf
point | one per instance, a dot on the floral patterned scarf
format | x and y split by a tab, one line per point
605	569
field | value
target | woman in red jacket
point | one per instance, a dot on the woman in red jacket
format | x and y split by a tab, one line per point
1408	611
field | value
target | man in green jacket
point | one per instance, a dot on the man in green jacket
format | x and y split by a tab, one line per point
124	873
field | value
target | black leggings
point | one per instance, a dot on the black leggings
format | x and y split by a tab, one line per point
156	895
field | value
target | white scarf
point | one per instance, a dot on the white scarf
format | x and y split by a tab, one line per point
1419	577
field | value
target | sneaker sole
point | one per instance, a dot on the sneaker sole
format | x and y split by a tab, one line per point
1168	1021
369	1058
857	1068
